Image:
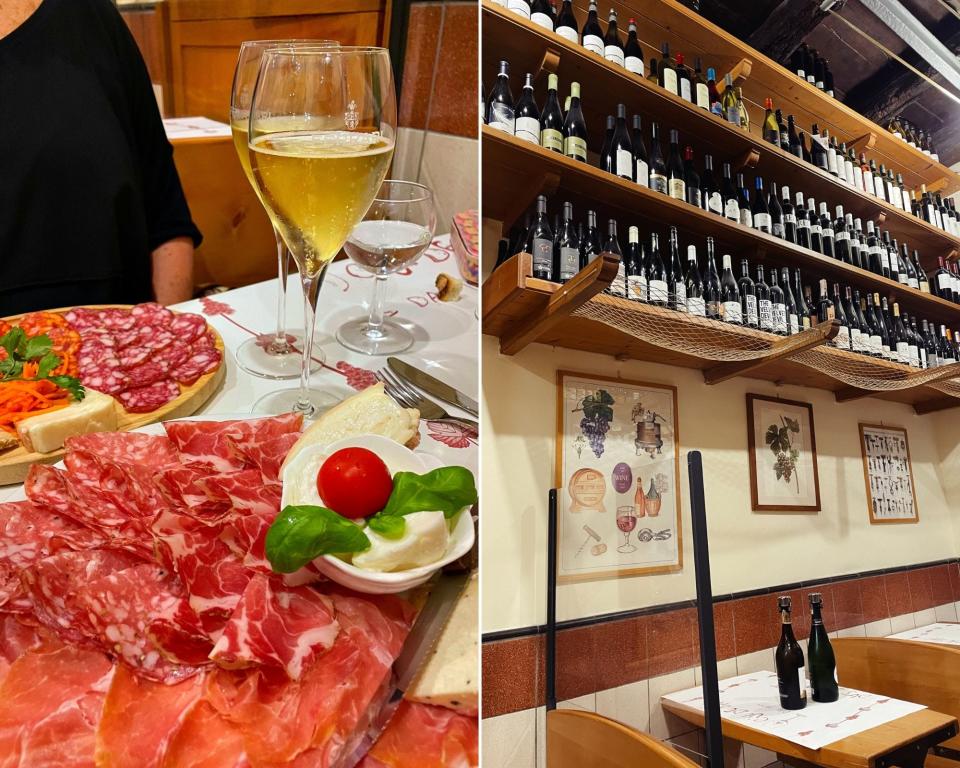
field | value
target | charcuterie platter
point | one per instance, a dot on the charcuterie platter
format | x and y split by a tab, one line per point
134	365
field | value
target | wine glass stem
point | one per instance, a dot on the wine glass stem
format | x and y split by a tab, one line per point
311	290
280	346
375	321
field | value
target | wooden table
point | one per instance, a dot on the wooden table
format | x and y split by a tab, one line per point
903	742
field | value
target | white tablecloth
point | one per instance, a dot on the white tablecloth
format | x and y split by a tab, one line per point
939	633
446	333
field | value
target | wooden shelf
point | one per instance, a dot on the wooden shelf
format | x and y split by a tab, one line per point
531	48
520	310
515	171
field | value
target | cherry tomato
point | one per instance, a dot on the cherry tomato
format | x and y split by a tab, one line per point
354	483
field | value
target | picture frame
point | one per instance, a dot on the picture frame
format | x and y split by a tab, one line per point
888	475
617	478
783	455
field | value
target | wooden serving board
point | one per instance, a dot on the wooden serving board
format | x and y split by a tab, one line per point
16	462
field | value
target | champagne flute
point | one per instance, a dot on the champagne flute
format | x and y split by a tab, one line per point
322	133
273	355
395	231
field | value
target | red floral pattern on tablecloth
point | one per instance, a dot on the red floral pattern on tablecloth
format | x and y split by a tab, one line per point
451	434
213	307
358	378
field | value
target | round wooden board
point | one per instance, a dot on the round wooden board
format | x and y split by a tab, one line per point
16	462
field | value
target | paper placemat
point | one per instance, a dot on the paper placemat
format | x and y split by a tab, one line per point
754	701
941	634
194	128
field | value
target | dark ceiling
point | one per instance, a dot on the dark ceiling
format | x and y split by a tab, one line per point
865	77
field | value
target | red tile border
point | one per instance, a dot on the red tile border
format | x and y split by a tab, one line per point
672	641
873	594
921	590
899	599
755	623
954	570
847	604
940	584
514	675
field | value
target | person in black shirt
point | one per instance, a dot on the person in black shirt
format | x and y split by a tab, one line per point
91	207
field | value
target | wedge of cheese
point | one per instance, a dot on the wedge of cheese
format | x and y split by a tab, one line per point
449	677
370	412
47	432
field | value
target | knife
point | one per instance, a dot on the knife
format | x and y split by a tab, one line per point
432	386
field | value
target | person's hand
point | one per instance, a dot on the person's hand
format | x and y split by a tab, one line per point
173	271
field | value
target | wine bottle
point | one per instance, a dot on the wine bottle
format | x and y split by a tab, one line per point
728	192
818	151
908	275
607	161
789	216
842	339
696	304
731	110
742	110
930	345
763	309
591	245
841	238
701	92
819	73
794	140
612	47
592	38
575	128
567	26
668	74
653	75
551	120
804	152
831	153
692	179
676	186
771	129
815	227
803	309
658	168
621	146
778	305
713	93
500	113
826	232
677	281
803	222
793	317
868	325
919	356
684	81
641	167
612	245
880	311
749	308
746	207
825	309
853	242
632	52
712	199
899	337
789	661
568	247
823	665
923	283
776	212
711	285
503	253
657	279
527	122
847	156
519	7
760	211
636	273
541	14
540	242
891	256
797	59
827	79
730	307
853	318
784	133
874	259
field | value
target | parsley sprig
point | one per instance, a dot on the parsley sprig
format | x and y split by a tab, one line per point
22	349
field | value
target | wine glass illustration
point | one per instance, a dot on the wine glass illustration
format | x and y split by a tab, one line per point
626	522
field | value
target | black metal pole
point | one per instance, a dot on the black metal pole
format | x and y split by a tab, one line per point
708	644
551	651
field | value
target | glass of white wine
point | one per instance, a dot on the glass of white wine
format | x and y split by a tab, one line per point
272	355
322	132
396	230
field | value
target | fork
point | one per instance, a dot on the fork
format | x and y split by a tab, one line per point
408	397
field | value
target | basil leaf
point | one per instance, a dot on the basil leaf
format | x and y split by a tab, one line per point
388	526
46	364
302	533
36	346
12	339
447	490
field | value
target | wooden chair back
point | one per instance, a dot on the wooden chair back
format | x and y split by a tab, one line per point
586	740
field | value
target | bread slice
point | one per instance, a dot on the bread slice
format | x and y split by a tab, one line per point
47	432
8	441
449	677
370	412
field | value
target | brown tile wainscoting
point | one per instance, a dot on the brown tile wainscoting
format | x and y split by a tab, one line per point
604	652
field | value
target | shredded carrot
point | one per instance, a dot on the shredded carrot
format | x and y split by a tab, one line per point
22	399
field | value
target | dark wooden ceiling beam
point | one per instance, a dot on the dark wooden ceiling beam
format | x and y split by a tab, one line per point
786	26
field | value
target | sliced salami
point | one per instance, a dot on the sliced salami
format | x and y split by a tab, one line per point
133	355
145	374
146	399
188	327
109	381
153	314
151	451
199	363
159	338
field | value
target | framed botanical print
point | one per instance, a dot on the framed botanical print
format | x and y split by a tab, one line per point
618	475
783	455
888	474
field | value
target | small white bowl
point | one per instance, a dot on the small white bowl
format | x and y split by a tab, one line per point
398	458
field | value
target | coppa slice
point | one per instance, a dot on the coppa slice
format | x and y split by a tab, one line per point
422	736
213	443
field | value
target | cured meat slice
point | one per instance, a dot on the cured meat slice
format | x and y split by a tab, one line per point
151	451
206	740
245	528
146	399
179	634
277	625
46	487
146	373
323	716
50	702
140	719
183	487
188	326
117	319
267	455
109	380
125	490
159	338
423	736
134	337
200	362
172	355
133	355
213	443
153	314
16	638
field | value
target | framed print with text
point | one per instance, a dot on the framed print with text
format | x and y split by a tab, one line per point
618	478
888	474
783	455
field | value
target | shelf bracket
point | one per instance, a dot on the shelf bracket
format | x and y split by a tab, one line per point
865	142
523	196
740	72
549	63
586	284
506	283
939	404
748	159
952	371
780	349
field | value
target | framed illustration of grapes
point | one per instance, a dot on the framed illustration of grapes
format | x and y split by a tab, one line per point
783	455
618	469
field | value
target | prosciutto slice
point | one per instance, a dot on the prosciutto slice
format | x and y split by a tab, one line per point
214	443
206	740
423	736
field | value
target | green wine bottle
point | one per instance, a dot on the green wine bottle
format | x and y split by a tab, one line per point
820	658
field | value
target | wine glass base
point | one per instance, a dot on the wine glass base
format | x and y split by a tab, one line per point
626	548
286	401
389	339
254	356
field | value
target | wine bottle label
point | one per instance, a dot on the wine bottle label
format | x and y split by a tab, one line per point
842	339
746	217
619	285
696	307
658	183
733	115
902	278
914	355
528	129
731	210
794	323
876	345
715	203
703	96
760	313
815	229
670	80
613	53
634	64
848	172
841	236
568	33
714	309
924	286
551	138
593	43
803	224
502	117
575	147
806	322
569	262
944	283
789	218
832	161
831	313
520	7
826	232
624	163
884	258
659	293
680	296
780	318
542	255
855	340
778	229
685	89
643	173
732	312
677	188
542	20
924	362
903	352
637	287
931	214
888	353
761	221
695	197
